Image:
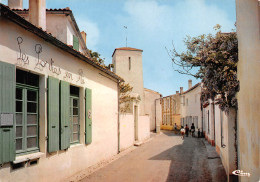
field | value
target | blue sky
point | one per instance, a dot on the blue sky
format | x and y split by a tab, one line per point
152	26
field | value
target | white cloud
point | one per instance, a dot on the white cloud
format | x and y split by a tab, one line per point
92	31
152	25
147	15
185	17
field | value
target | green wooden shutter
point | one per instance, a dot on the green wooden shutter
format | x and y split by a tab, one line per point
7	106
88	116
64	115
75	42
53	114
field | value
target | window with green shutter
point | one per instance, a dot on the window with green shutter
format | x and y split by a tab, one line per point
75	43
53	112
27	91
74	115
64	115
7	112
88	117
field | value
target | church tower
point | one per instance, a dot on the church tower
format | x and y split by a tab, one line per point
128	64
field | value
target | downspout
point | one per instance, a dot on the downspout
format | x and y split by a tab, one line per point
156	115
118	119
214	121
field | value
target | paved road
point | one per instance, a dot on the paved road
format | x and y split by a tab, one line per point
166	158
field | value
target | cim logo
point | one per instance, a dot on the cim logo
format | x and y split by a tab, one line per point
240	173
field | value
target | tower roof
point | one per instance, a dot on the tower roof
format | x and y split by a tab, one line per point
126	49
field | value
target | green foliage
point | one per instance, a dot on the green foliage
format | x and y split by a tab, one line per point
96	57
216	56
124	89
125	98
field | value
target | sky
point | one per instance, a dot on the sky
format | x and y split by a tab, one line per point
153	26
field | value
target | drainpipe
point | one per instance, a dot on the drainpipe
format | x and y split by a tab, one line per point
214	122
156	117
118	119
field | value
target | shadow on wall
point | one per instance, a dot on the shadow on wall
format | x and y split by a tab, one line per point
189	161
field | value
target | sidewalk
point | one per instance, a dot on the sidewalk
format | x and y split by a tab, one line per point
217	169
84	173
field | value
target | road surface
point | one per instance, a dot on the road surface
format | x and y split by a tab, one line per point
166	158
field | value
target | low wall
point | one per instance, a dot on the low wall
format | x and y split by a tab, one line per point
143	128
166	127
126	131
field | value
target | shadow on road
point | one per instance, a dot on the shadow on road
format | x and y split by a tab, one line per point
189	161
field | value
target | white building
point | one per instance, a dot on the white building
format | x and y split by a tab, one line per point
248	119
128	64
58	108
191	106
150	98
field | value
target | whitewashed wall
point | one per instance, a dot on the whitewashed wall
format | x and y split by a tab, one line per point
127	132
150	96
143	128
248	33
62	164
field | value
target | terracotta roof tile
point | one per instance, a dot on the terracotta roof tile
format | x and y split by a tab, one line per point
126	49
60	9
14	17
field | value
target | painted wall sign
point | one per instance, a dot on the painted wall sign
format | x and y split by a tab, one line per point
23	59
68	76
80	79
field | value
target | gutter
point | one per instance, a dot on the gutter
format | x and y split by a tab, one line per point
15	18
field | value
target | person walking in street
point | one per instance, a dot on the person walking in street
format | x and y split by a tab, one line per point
198	133
187	130
192	129
182	132
175	128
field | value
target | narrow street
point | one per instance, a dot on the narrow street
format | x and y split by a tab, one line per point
166	158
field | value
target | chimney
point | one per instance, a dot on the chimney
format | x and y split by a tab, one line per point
181	90
177	92
189	84
15	4
84	36
37	13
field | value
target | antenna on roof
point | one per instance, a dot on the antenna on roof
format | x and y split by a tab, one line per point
126	35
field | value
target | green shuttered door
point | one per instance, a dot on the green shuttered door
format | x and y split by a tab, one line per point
88	138
7	105
53	114
64	115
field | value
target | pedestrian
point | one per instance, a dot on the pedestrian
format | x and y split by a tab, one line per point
182	132
198	133
187	130
192	129
175	127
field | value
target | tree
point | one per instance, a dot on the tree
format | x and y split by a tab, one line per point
96	57
216	56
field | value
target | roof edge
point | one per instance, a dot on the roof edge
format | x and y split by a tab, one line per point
129	49
20	21
192	88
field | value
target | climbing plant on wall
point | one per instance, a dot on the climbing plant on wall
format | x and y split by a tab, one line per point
125	97
124	88
216	57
